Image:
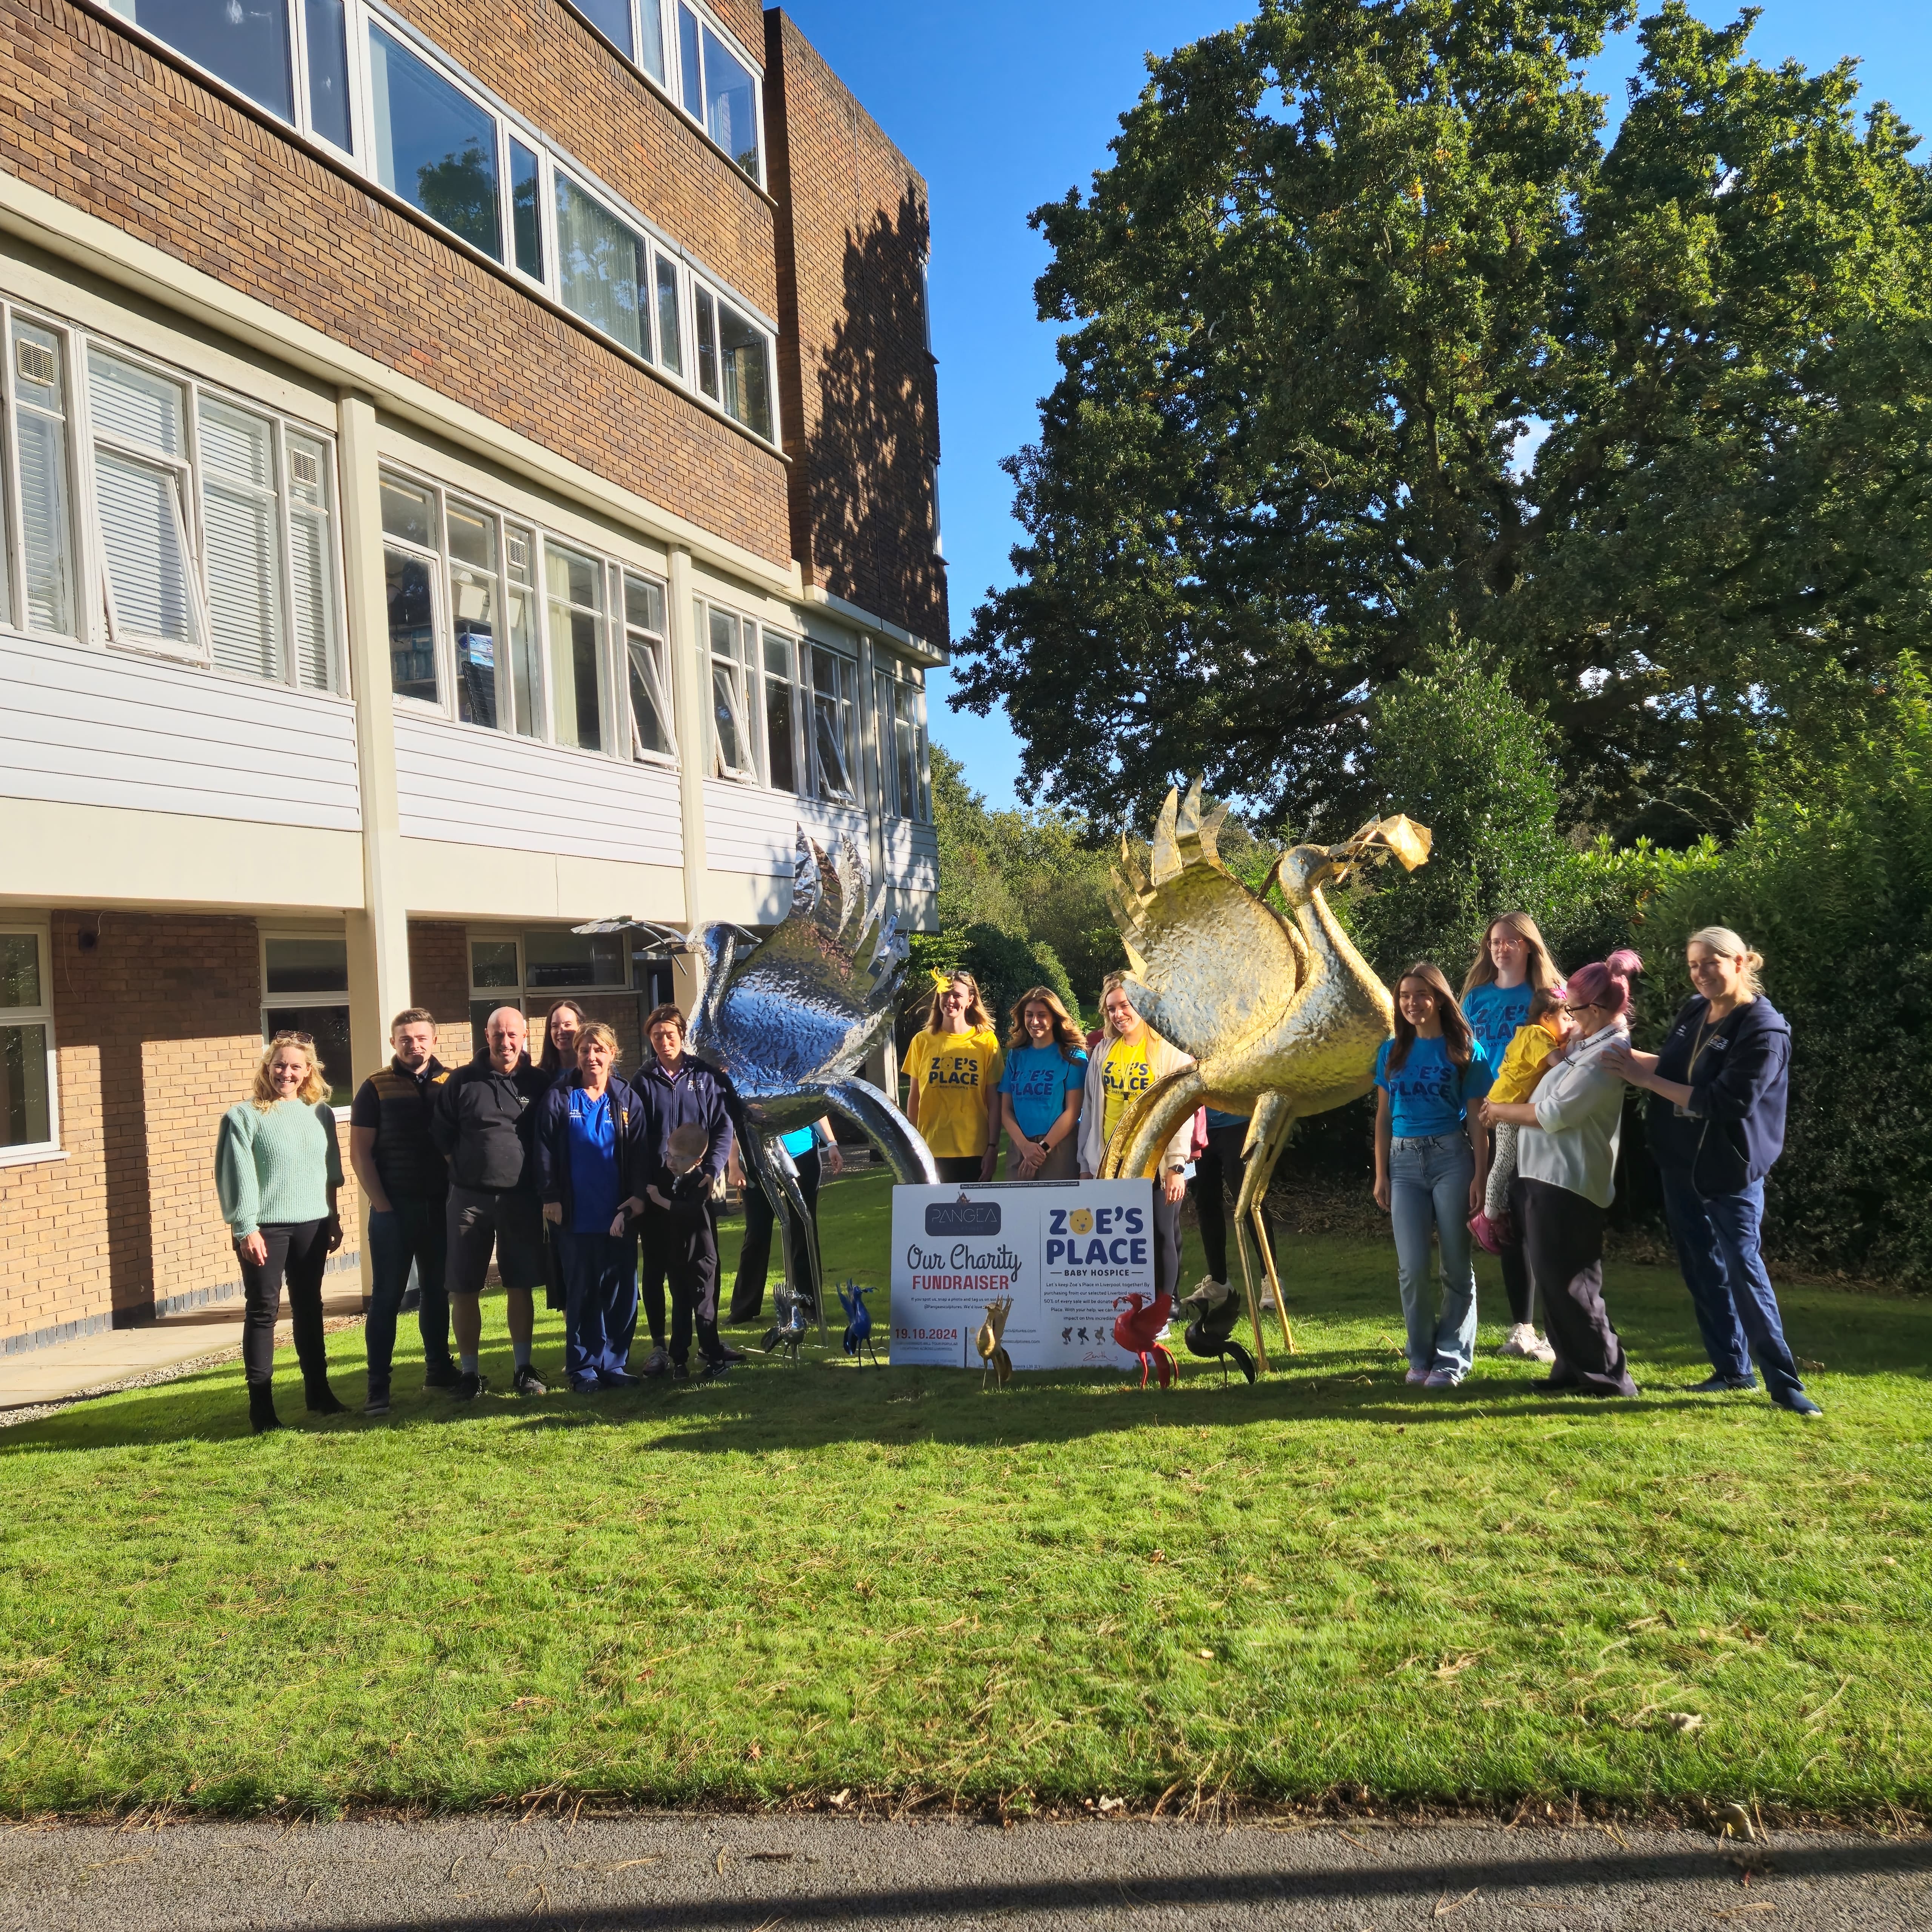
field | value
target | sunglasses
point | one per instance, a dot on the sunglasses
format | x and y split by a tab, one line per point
291	1040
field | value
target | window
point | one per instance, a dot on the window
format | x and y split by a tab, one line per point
434	146
28	1086
901	747
529	970
141	483
834	736
719	92
707	344
601	271
409	513
305	989
575	585
782	761
642	40
938	535
670	323
527	210
743	355
732	756
327	25
38	364
647	660
245	43
238	512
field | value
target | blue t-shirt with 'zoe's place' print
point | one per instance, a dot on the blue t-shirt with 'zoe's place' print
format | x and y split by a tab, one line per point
1039	1078
1428	1094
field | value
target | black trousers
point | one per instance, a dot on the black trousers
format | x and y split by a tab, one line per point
1563	1240
959	1167
1220	1169
298	1254
1515	1263
685	1252
754	1258
1166	1242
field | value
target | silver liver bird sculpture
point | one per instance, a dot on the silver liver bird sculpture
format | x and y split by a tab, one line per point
1283	1016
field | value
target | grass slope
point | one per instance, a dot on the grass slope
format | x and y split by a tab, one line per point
823	1576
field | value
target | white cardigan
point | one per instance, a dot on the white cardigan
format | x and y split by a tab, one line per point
1580	1114
1163	1060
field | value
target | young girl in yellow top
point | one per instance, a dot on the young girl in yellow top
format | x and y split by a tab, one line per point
1525	1061
952	1070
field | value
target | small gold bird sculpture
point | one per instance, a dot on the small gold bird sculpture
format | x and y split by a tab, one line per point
990	1344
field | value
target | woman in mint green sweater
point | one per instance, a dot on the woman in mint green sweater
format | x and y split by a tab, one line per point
278	1170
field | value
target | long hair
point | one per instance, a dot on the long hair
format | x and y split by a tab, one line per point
1457	1037
977	1018
550	1061
1606	983
1542	974
1066	1035
313	1091
1728	945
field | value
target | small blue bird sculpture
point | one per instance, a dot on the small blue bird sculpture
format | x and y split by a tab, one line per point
858	1321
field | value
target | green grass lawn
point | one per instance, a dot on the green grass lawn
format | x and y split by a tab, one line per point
812	1578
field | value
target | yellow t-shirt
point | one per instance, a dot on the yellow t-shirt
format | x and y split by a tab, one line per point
1124	1075
953	1073
1529	1047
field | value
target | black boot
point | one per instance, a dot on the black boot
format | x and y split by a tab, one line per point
262	1414
321	1400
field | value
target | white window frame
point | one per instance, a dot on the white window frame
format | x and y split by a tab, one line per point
87	561
280	1003
614	744
892	678
797	643
662	653
751	703
846	703
520	995
41	1015
694	110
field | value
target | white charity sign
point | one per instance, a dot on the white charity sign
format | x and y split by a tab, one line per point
1066	1251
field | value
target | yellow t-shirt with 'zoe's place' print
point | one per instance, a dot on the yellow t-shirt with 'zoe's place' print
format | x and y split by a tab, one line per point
953	1073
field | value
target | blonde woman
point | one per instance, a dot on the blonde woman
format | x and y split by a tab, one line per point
1719	1090
1043	1088
277	1172
953	1067
1127	1059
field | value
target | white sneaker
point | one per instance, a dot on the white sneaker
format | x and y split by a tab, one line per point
1522	1342
1441	1378
1541	1350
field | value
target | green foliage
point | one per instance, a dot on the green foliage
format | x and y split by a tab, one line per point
1346	261
1833	884
1022	900
805	1579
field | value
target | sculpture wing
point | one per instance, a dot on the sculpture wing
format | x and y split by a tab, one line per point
1211	963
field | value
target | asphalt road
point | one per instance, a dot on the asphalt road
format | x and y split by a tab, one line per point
820	1871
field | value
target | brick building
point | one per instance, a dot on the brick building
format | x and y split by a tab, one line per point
466	471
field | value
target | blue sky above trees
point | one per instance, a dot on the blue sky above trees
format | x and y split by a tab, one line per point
1003	106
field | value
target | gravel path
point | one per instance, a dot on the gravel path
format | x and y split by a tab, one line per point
756	1874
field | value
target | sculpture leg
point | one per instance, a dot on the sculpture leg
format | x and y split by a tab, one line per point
1248	1288
1267	1134
1149	1124
778	1175
894	1136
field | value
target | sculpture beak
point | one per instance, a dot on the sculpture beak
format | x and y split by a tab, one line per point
1398	838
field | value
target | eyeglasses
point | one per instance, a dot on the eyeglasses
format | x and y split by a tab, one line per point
1588	1006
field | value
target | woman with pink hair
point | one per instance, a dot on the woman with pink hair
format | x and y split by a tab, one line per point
1566	1165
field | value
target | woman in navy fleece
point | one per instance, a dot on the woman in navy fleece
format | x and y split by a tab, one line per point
1716	1124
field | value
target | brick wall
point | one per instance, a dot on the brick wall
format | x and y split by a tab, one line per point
157	1026
856	381
95	118
440	979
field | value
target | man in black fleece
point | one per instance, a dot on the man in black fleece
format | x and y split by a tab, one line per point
483	1126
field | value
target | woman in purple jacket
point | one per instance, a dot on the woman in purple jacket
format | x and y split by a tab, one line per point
1718	1091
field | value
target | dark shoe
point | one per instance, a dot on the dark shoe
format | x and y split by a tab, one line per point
680	1372
445	1375
657	1363
1549	1385
585	1384
1721	1385
617	1378
378	1403
714	1370
467	1388
726	1353
527	1381
261	1416
321	1401
1799	1403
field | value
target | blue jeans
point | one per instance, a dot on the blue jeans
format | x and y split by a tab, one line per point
600	1312
1429	1186
1717	1238
412	1231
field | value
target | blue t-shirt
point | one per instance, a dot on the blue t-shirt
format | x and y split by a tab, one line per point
1494	1015
1429	1094
596	1184
797	1143
1039	1080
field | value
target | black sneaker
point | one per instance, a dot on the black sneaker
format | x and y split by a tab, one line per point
1724	1384
680	1372
527	1381
378	1403
445	1375
715	1370
467	1388
726	1353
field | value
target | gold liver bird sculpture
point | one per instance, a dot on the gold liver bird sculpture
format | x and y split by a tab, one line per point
1283	1018
990	1342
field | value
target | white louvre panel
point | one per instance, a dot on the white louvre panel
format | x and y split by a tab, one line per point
130	404
243	580
43	516
239	445
314	625
141	536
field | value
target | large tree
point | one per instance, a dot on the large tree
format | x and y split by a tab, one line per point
1349	263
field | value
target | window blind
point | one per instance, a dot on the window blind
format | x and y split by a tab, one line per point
238	524
144	539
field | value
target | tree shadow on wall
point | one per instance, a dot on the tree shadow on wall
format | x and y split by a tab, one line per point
869	517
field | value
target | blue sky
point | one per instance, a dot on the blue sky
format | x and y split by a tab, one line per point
1002	107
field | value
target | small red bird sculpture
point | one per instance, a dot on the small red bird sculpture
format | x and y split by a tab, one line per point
1139	1331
